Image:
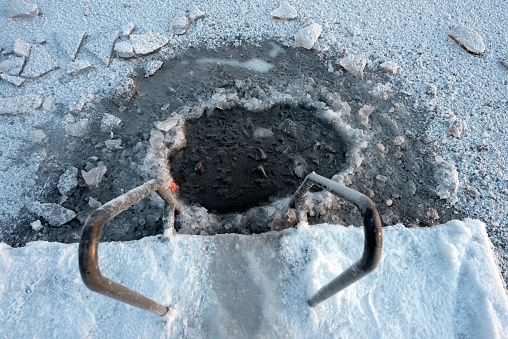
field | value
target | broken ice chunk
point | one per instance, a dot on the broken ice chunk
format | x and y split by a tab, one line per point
36	225
93	203
16	81
381	91
195	13
78	67
175	138
21	48
15	65
389	67
94	176
254	104
124	49
39	63
113	144
148	43
399	140
180	24
24	104
125	92
37	136
151	67
457	127
78	129
168	124
469	39
5	66
285	11
109	121
68	181
301	166
261	132
354	64
448	179
19	9
195	113
156	139
308	35
46	105
54	214
364	113
127	29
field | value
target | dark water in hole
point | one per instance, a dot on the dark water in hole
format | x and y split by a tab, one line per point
227	167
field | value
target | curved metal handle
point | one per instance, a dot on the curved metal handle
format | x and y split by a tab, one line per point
89	246
372	229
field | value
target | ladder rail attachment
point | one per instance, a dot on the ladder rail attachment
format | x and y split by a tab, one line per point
373	243
89	246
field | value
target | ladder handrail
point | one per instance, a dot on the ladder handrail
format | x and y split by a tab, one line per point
89	242
89	246
372	229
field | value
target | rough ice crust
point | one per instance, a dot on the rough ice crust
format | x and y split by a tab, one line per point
70	41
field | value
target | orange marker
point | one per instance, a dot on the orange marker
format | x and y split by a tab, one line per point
173	187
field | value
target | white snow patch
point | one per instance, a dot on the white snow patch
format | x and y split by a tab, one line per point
437	282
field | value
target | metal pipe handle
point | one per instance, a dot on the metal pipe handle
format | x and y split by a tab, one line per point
89	246
372	229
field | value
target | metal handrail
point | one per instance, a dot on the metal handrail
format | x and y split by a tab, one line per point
89	246
372	229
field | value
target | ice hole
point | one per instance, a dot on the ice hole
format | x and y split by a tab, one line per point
237	159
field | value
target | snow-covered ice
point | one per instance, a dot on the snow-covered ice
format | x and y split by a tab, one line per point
410	34
438	282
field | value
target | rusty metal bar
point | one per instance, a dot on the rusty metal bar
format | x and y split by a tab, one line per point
89	246
372	229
